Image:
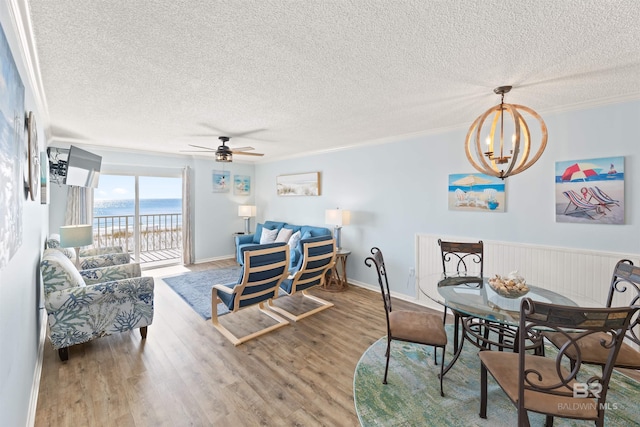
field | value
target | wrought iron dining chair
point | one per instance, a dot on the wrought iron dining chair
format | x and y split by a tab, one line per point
265	267
463	259
319	255
625	286
409	326
541	384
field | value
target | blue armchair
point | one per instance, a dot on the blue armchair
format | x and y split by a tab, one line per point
265	267
319	256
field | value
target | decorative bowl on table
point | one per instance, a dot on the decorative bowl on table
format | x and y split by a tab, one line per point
511	286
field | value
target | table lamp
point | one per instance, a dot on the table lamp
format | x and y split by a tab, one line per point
75	236
246	211
337	217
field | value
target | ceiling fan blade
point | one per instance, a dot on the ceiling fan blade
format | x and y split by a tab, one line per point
231	134
244	153
242	148
200	146
196	151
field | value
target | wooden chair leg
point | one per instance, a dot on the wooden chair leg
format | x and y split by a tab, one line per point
63	353
143	332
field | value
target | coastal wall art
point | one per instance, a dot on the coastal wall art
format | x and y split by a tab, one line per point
590	191
12	150
241	185
301	184
221	181
476	192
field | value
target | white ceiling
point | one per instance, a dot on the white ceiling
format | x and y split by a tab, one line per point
308	76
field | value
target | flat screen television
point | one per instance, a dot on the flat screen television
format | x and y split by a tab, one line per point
83	168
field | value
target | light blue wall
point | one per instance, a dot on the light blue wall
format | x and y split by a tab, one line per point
20	281
395	191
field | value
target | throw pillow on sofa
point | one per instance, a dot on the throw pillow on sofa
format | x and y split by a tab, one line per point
268	236
294	239
284	235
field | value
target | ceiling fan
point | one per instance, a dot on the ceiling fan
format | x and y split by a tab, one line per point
223	152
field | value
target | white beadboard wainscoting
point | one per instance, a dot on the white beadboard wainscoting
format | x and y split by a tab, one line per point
568	271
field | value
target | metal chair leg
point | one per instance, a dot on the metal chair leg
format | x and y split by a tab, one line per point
386	368
483	391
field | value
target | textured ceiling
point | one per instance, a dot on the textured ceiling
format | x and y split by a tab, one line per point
307	76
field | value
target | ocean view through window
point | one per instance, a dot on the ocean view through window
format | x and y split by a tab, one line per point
147	223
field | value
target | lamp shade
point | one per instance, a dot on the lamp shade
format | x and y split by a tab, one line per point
337	217
246	211
75	236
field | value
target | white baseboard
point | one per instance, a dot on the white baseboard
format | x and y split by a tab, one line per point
37	372
400	296
218	258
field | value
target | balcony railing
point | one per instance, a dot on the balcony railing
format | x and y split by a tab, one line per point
159	233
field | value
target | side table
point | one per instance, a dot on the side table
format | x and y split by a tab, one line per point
336	280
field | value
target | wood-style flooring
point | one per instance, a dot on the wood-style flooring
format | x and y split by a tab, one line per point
187	374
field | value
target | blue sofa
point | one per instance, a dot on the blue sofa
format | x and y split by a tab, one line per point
306	232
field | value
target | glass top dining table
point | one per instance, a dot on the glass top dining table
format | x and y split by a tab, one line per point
488	320
472	296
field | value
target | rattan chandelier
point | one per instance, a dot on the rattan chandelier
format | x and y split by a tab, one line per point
497	158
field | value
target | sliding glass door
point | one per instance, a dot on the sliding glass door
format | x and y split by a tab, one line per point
143	214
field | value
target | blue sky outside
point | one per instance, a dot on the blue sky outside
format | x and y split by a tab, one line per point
118	187
603	163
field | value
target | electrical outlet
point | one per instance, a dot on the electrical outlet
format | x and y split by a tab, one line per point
412	271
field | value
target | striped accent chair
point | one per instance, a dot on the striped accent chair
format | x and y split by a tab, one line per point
318	257
265	267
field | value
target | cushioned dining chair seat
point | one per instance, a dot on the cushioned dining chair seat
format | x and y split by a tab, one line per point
503	366
417	326
593	352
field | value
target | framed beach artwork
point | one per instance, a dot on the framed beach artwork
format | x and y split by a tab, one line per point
13	154
476	192
590	191
241	185
301	184
221	181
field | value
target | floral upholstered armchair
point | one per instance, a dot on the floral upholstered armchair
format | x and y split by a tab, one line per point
88	304
93	257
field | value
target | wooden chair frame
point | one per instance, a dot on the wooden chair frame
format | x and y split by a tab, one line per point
240	295
308	275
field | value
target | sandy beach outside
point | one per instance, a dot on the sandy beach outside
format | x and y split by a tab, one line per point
611	214
477	202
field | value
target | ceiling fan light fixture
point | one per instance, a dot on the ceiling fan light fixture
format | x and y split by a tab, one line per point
223	153
224	156
508	144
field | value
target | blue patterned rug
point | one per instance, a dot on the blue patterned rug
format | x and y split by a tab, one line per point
195	288
412	395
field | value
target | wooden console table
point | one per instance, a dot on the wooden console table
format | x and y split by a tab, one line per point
336	280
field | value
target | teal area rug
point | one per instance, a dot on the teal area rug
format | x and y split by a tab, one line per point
412	395
195	288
